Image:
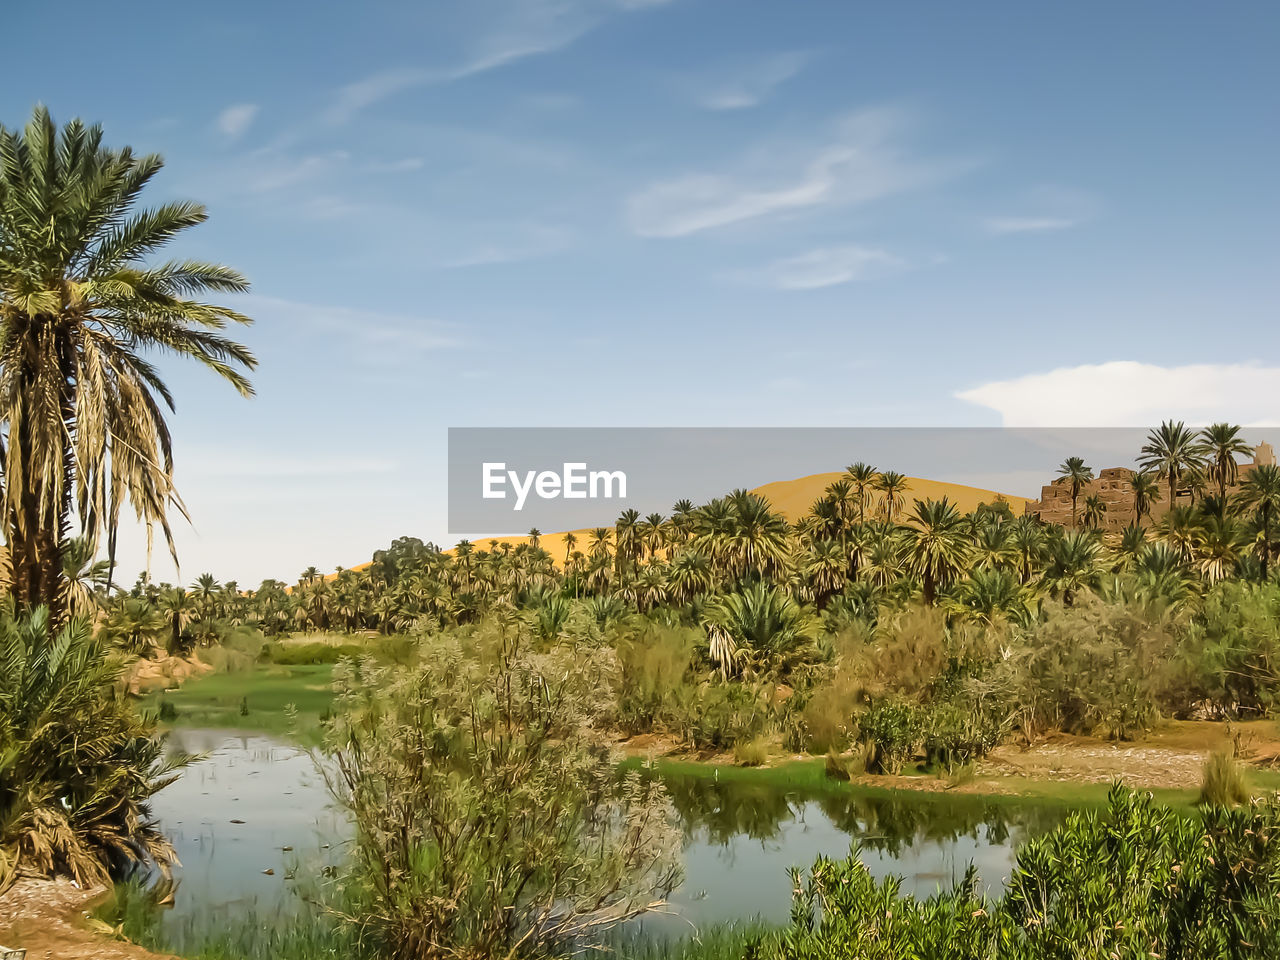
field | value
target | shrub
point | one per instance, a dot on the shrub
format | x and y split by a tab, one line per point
958	732
893	728
79	765
297	654
1224	781
721	714
486	822
653	666
751	753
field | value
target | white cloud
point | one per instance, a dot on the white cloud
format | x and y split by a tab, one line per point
501	32
1027	224
861	163
827	267
753	84
354	97
234	122
377	336
517	242
1128	393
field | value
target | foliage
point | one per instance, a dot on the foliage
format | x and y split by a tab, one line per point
486	822
1224	780
893	728
81	402
1134	881
78	766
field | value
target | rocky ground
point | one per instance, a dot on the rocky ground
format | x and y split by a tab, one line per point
50	919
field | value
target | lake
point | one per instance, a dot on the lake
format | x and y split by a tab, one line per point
254	826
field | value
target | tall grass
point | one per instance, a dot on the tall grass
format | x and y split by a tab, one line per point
1224	783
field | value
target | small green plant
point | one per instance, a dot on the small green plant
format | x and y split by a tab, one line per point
751	753
168	712
893	729
1224	783
244	706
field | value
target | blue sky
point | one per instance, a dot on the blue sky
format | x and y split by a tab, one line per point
710	212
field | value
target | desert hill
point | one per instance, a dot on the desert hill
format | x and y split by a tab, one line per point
792	498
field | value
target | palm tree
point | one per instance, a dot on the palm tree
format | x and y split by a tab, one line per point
1173	452
82	424
1028	538
893	486
936	544
1217	549
177	606
1075	474
1146	491
1260	492
760	626
535	537
1222	444
1095	508
862	476
570	541
1073	563
82	574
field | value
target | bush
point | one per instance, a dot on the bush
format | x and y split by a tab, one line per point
1134	881
1224	782
751	753
722	714
298	654
487	824
653	682
958	732
893	728
78	766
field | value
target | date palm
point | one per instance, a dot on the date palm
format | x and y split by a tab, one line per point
893	486
1174	452
1073	564
862	476
82	405
1074	474
1146	491
1222	443
937	545
1028	536
1095	509
1260	492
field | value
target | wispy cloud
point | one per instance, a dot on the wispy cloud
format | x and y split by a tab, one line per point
517	242
749	86
376	336
1055	208
1027	224
828	267
234	122
1125	393
354	97
861	162
502	32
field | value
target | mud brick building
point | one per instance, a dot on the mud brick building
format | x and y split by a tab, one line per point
1111	486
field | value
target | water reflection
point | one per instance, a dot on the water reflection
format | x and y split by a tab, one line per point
253	824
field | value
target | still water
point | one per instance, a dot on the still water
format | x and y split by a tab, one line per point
254	827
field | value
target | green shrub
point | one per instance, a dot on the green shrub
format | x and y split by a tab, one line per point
78	765
1224	781
958	732
751	753
168	712
487	824
297	654
893	728
654	685
722	714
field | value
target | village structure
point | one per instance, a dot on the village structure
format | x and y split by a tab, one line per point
1112	486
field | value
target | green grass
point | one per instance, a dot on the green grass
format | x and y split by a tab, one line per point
267	690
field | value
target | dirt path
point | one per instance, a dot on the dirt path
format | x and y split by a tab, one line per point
49	919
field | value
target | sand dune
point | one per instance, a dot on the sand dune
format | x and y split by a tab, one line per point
792	498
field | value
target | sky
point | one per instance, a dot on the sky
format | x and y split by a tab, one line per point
677	212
